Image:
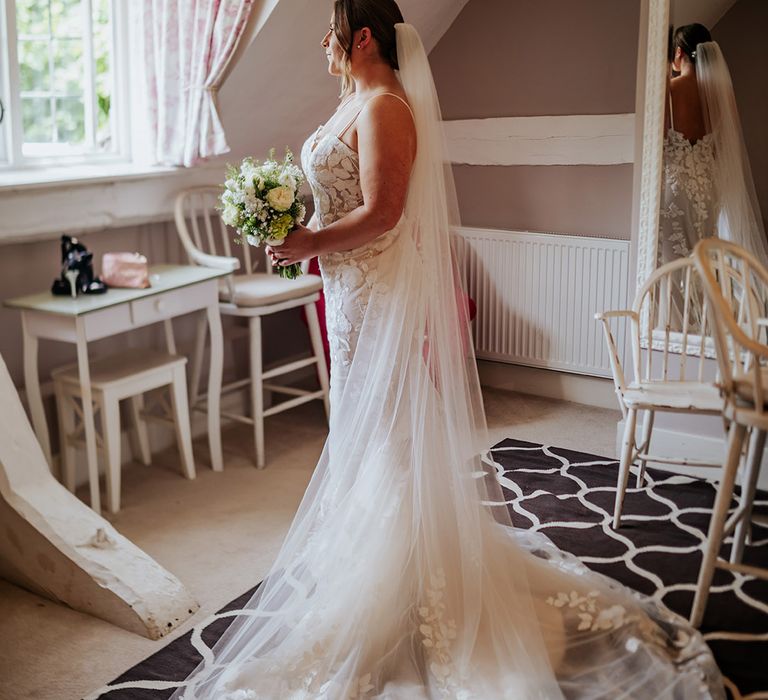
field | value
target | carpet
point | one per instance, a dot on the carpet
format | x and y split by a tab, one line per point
569	496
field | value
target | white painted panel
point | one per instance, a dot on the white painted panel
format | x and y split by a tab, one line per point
602	139
537	294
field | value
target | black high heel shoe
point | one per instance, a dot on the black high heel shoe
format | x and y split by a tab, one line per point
76	271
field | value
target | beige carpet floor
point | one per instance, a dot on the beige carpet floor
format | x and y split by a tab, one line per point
219	533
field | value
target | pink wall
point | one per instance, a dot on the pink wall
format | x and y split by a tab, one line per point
542	57
571	199
741	35
533	57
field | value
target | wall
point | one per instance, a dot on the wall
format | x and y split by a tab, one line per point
541	57
741	35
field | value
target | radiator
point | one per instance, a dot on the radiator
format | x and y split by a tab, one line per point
537	294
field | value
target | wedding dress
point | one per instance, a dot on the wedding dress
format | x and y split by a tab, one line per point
401	577
688	205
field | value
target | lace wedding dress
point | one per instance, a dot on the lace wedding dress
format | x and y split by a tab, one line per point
401	577
688	206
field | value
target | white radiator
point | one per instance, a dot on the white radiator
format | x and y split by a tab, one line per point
537	294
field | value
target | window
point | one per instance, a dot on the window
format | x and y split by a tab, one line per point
60	82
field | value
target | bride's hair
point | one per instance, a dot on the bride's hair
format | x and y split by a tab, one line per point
688	37
380	16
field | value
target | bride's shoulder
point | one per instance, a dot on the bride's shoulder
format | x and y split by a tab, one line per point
389	110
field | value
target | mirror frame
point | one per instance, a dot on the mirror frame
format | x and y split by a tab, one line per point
651	156
651	167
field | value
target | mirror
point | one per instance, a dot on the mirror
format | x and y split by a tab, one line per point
682	198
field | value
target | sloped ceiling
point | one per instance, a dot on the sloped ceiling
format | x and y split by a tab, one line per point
280	90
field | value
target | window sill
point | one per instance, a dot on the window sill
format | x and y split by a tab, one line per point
80	199
68	176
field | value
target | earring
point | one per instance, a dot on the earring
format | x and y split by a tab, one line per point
359	46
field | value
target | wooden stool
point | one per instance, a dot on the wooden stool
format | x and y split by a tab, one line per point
126	375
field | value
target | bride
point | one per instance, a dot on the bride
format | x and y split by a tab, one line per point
707	185
401	576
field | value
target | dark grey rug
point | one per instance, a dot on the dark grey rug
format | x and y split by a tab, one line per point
569	496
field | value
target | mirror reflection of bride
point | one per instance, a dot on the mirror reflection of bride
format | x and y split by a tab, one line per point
707	186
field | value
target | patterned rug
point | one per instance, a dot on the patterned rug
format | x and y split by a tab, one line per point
569	496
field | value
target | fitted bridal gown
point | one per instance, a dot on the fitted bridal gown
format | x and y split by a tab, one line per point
688	207
401	578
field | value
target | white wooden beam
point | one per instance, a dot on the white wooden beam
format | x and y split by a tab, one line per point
600	139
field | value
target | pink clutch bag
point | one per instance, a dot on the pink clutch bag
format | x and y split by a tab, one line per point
128	270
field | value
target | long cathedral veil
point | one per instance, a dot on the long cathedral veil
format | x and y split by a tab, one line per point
400	577
394	501
739	218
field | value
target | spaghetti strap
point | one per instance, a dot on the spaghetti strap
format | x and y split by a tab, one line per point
367	102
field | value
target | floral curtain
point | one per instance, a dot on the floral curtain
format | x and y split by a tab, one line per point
187	47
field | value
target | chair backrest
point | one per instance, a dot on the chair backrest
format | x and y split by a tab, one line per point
737	286
671	320
204	235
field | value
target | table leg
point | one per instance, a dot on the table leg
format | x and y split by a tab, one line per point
88	418
197	360
214	386
32	385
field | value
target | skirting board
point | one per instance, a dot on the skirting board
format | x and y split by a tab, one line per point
579	388
665	442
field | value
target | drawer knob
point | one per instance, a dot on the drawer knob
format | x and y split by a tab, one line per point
159	305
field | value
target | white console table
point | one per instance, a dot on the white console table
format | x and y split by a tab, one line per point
176	290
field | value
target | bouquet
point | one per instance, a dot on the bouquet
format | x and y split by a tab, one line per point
260	201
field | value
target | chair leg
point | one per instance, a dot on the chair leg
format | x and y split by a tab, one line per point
141	434
110	434
645	445
317	347
180	407
67	454
627	450
717	523
748	489
257	389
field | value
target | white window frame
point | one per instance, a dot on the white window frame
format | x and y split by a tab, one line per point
15	160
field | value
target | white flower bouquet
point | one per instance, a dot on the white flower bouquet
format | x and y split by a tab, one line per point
260	201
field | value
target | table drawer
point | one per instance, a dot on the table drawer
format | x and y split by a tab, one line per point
106	322
166	305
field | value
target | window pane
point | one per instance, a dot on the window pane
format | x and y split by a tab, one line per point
70	120
32	17
66	18
100	11
68	70
33	65
102	45
36	119
67	103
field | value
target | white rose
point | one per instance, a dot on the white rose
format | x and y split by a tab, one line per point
230	214
280	198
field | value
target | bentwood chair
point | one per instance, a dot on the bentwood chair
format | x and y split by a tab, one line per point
736	284
669	315
251	295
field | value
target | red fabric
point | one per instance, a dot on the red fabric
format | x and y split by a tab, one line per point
314	269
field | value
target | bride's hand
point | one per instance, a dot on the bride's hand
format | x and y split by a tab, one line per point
300	244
